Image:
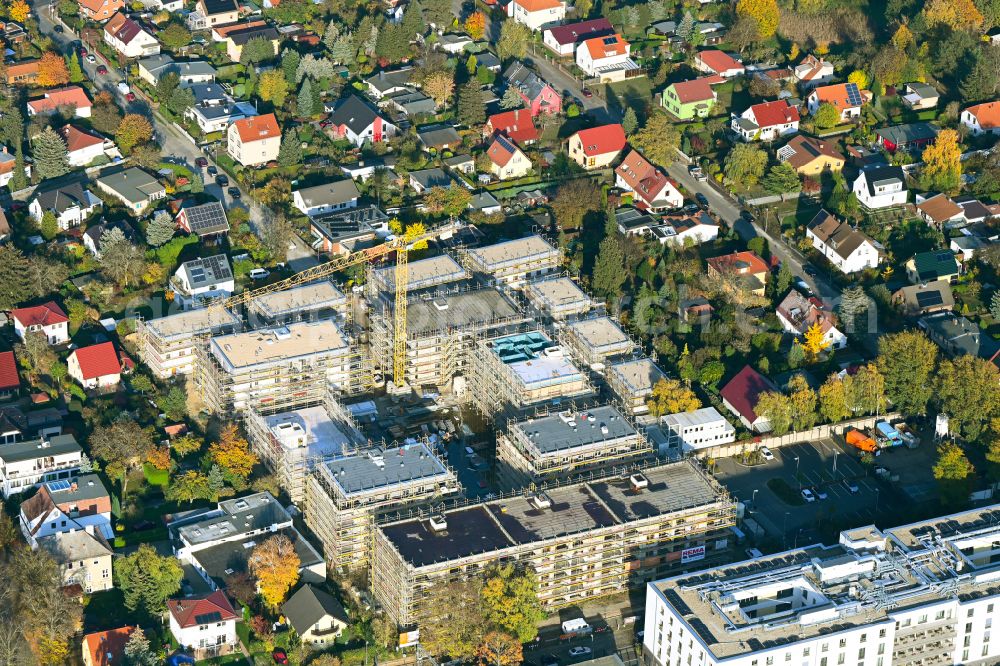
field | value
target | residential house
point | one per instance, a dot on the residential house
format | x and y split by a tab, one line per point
153	68
218	12
718	62
766	121
920	96
487	60
96	366
881	187
684	229
537	95
741	394
651	189
316	616
537	14
410	103
82	146
811	157
23	73
83	558
203	279
330	197
798	314
912	136
563	39
358	122
100	11
8	163
982	118
846	98
129	38
254	141
237	39
422	180
925	298
207	220
507	160
517	125
696	432
67	505
386	84
940	211
597	147
688	100
71	203
957	336
204	624
95	232
213	109
934	265
68	97
813	71
439	137
47	319
133	187
341	232
10	379
965	247
843	246
27	464
106	648
607	59
745	267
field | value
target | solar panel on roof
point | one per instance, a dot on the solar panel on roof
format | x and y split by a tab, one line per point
608	41
206	618
505	144
853	94
57	486
929	298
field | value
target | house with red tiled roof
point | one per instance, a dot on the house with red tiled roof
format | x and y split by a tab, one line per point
96	366
718	62
100	10
847	98
597	147
813	71
766	121
982	118
254	141
651	189
129	38
517	125
691	99
563	39
746	265
204	624
22	73
51	100
8	163
47	319
106	648
742	393
507	160
798	314
537	14
82	146
607	58
10	380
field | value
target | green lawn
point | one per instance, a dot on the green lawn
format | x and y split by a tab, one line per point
155	477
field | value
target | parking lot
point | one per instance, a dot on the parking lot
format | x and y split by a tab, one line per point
826	467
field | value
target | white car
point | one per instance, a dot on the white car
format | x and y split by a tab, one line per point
579	651
821	494
851	487
123	88
91	59
258	273
766	452
807	495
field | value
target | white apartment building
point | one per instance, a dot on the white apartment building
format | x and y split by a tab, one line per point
697	431
25	465
167	345
917	595
512	262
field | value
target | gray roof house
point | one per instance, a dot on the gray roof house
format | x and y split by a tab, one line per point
153	68
384	84
133	187
326	198
439	136
425	179
956	336
71	203
95	232
316	616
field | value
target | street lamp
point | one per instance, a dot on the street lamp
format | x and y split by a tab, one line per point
797	478
835	453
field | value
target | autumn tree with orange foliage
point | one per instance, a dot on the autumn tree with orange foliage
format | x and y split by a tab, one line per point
159	458
232	453
956	14
276	567
19	11
499	649
52	70
475	25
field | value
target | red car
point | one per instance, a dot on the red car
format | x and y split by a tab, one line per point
83	51
130	97
586	92
280	656
102	70
201	162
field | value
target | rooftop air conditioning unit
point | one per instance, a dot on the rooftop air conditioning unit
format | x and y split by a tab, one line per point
438	523
541	501
638	481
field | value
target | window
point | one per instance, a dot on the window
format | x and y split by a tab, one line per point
861	654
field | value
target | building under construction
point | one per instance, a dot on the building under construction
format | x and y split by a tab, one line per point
564	444
557	297
596	341
583	540
319	300
293	442
346	494
633	381
421	274
168	345
514	262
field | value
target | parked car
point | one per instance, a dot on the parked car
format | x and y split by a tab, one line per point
234	192
201	162
130	97
258	273
579	651
280	656
701	199
697	173
550	660
587	93
747	215
821	494
766	453
58	28
123	87
83	51
102	70
851	487
91	59
807	495
212	170
222	180
810	270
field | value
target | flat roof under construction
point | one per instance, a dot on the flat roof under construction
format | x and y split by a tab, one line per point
313	296
424	273
192	322
465	309
639	375
601	333
323	436
493	257
563	431
558	294
671	488
240	350
373	469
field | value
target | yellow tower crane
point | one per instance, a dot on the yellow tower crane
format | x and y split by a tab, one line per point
401	245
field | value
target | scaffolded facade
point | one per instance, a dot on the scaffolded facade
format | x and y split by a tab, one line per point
168	345
596	341
514	262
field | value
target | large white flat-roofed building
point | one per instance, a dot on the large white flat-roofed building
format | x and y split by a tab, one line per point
633	382
24	465
346	494
917	595
557	297
286	365
319	300
292	442
594	341
583	540
515	261
168	345
422	274
565	444
515	372
698	431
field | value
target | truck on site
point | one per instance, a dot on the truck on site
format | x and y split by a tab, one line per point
887	436
861	441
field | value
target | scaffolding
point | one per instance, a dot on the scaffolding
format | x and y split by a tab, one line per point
512	262
597	340
167	345
559	297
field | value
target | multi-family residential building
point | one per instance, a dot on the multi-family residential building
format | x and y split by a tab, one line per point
129	38
557	297
27	464
167	345
696	432
254	141
67	505
347	494
632	383
537	14
47	319
133	187
83	558
516	261
845	247
766	121
71	203
583	540
881	187
597	147
595	340
318	300
201	280
921	593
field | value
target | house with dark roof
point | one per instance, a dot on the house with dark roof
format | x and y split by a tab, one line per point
355	120
10	379
811	157
327	198
596	147
881	187
83	558
424	179
204	625
47	319
153	68
537	95
67	505
563	39
925	298
129	38
236	39
92	236
71	203
911	136
439	136
845	247
386	83
207	220
316	616
919	96
96	366
741	394
134	187
766	121
957	336
202	279
933	265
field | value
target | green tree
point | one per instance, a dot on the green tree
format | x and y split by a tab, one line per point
51	157
343	50
980	82
711	373
782	179
833	400
305	103
174	36
173	403
608	274
20	178
138	651
803	403
952	470
75	71
995	305
197	184
290	64
290	152
16	283
257	50
160	229
511	99
745	165
122	447
907	361
966	388
777	409
49	226
658	140
189	486
146	579
510	601
471	104
826	116
630	123
514	39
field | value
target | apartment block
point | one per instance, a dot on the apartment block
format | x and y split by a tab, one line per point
567	444
422	274
516	261
557	297
697	432
25	465
168	345
319	300
595	341
923	594
347	494
583	540
633	381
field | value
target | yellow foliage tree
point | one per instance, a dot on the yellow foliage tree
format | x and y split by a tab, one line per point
814	344
273	87
52	70
670	396
275	566
475	25
793	53
19	11
902	37
415	230
499	649
860	78
159	457
52	651
765	12
942	168
956	14
133	130
232	453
